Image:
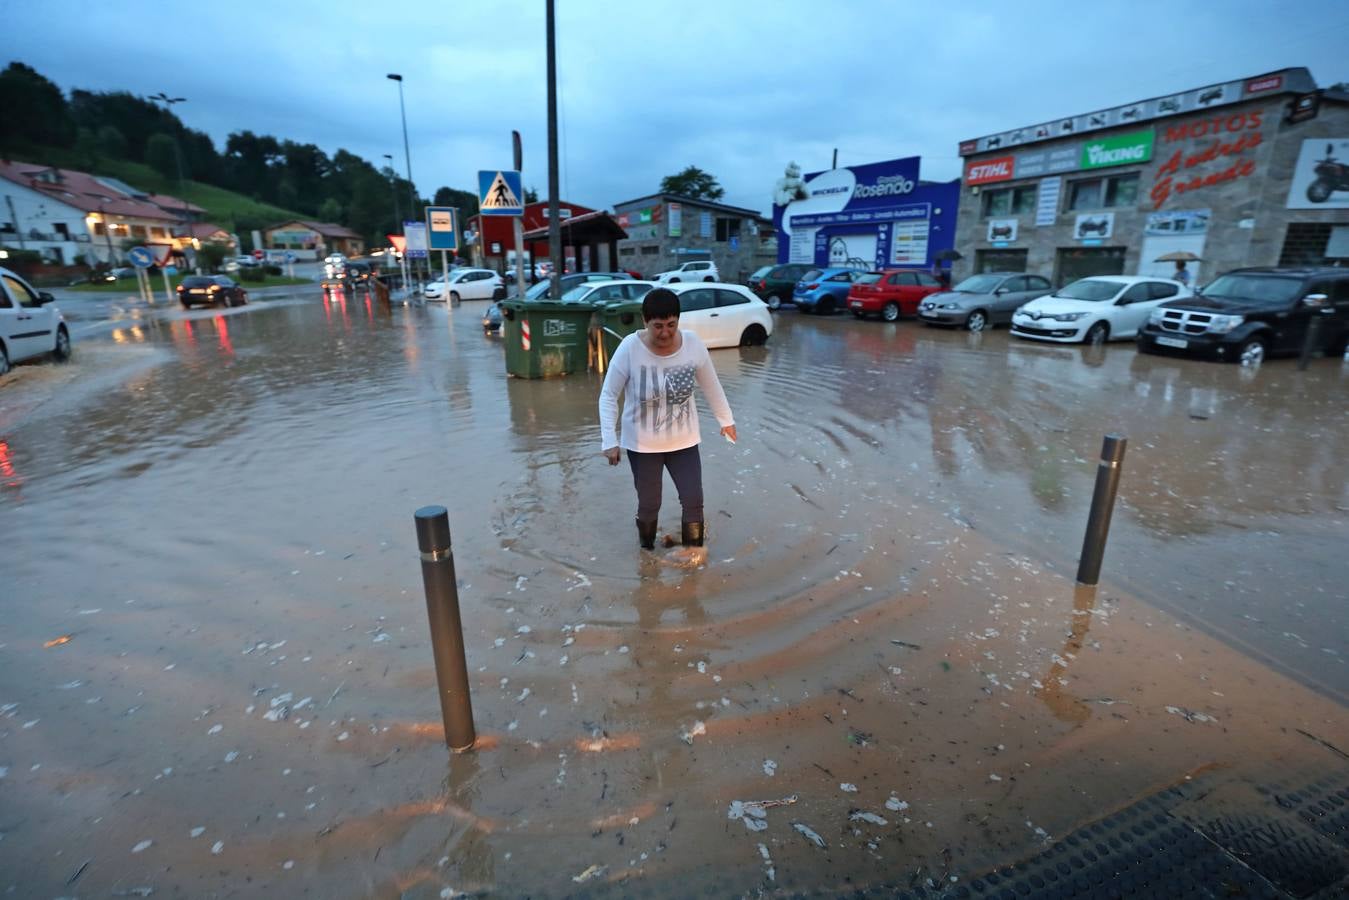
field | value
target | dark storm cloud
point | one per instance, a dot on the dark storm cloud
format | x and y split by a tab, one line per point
646	89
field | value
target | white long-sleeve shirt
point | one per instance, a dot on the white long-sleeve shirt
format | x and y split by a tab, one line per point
659	413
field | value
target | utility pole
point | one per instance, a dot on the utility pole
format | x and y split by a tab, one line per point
554	226
407	152
393	189
169	102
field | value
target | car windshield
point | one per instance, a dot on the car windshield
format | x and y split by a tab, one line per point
978	284
1254	290
576	293
539	290
871	278
1091	290
761	271
198	281
812	275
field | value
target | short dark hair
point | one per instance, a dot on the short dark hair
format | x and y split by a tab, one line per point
660	303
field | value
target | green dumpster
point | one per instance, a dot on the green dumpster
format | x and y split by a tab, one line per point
617	321
545	338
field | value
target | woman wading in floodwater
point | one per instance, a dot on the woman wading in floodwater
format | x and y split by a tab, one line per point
656	370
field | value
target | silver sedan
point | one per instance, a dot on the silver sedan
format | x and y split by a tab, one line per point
983	301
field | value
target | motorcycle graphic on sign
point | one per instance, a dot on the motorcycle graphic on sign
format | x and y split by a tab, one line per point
1321	176
1099	225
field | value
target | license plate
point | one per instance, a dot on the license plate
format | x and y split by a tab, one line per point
927	313
856	304
1173	342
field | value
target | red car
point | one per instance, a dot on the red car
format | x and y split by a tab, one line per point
891	293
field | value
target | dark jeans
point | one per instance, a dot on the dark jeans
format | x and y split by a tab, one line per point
686	468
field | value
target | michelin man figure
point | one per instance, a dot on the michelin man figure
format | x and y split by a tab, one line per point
790	187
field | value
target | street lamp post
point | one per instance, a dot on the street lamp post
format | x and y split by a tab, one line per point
407	152
393	189
169	102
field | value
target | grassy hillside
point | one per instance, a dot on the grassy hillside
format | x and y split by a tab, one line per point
231	211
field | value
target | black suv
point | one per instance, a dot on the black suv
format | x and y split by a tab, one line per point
1248	314
774	284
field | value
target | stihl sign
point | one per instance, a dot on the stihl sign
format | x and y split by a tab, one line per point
989	170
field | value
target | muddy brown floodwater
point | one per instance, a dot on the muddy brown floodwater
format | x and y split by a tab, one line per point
216	679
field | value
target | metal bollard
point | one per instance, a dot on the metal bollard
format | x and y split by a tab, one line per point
447	631
1102	504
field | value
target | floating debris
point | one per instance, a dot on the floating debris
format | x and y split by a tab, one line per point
58	641
847	788
894	804
754	813
1190	715
768	863
197	832
143	845
590	874
809	834
859	816
770	768
688	735
217	847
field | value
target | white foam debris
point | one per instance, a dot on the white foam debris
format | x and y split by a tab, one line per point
217	847
143	845
847	788
770	768
215	729
523	629
809	834
894	804
499	642
198	831
590	874
344	735
688	735
231	756
867	817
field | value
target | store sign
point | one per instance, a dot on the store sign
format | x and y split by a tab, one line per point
1090	227
1184	171
1319	175
676	220
1268	83
1117	150
1047	201
1002	230
988	171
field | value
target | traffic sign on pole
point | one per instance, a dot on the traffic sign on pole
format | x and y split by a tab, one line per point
499	193
415	235
140	257
442	228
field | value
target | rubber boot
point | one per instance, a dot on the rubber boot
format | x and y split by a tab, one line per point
692	534
646	533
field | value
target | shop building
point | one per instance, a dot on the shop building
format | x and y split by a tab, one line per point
874	216
495	235
313	240
1252	172
667	230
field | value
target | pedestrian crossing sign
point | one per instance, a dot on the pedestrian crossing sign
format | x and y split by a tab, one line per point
499	193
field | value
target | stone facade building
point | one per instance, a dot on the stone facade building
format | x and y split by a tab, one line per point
1239	174
666	230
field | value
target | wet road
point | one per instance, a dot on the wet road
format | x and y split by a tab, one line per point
215	508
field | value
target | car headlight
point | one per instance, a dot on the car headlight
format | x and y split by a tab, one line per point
1068	317
1156	316
1019	311
1224	324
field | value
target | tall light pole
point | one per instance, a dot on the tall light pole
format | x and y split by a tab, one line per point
407	152
393	189
169	103
554	226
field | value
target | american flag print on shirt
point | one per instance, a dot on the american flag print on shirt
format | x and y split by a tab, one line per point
666	396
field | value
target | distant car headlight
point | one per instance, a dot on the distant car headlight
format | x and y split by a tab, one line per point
1068	317
1224	324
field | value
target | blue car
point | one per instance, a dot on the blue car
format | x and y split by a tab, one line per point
824	291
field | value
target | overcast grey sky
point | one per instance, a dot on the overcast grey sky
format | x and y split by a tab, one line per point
736	87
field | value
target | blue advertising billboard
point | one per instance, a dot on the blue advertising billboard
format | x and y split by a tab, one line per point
874	216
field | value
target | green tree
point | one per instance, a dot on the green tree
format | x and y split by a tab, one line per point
466	201
531	195
161	155
111	142
330	210
212	255
35	109
693	183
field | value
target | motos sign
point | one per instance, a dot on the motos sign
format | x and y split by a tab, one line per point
1119	150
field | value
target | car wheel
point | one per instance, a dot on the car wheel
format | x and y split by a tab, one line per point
891	312
753	336
1097	333
774	302
454	298
4	360
62	351
825	307
1252	352
977	321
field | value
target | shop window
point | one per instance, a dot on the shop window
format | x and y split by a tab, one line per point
120	230
999	261
1104	193
1084	262
727	229
138	231
650	251
627	251
1306	243
1012	201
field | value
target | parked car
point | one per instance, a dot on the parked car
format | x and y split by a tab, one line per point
597	292
983	301
1249	314
248	262
698	270
210	290
723	315
30	326
891	293
543	290
774	284
466	284
824	290
119	273
1095	310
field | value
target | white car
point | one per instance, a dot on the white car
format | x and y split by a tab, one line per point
29	325
597	292
465	284
723	315
699	270
1097	309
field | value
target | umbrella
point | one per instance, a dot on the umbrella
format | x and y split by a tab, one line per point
949	256
1177	256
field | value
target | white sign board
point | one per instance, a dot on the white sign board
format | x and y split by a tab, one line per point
1319	178
1047	201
